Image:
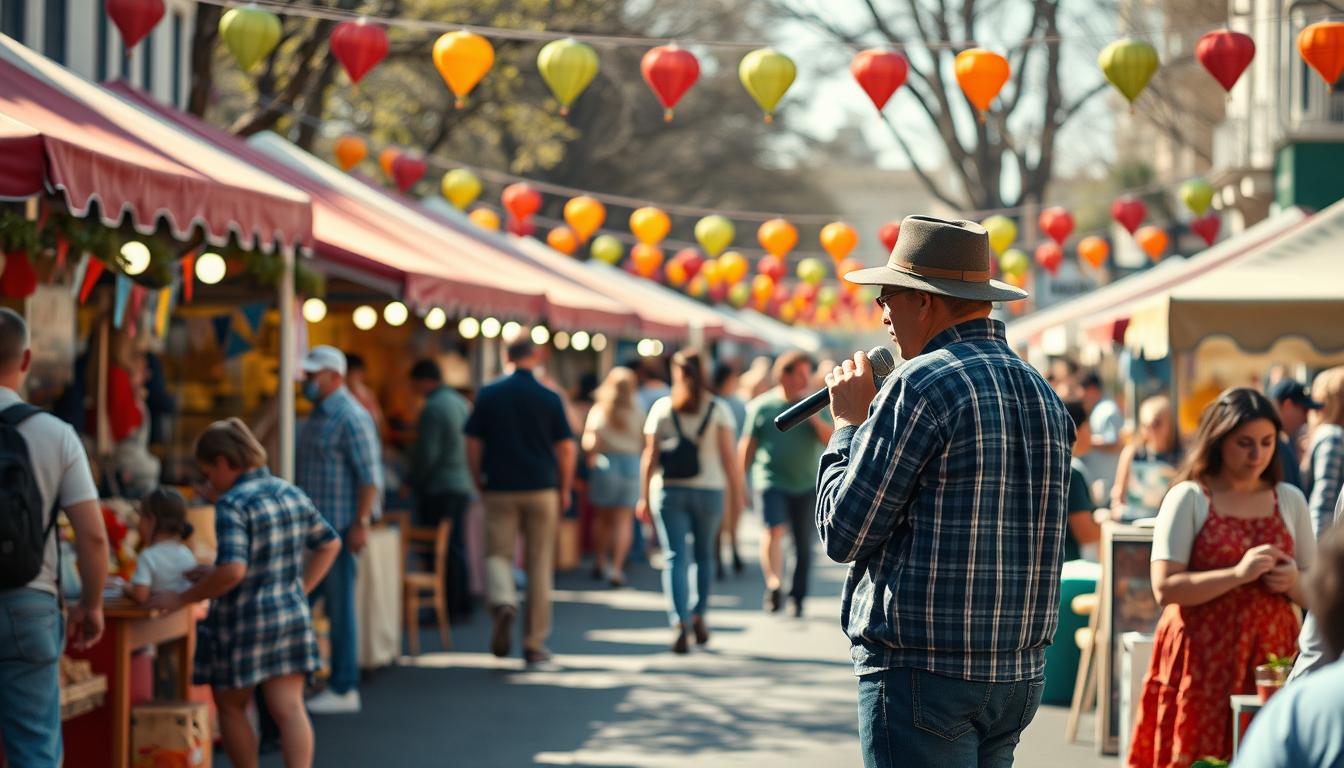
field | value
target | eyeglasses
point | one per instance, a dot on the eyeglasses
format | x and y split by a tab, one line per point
882	299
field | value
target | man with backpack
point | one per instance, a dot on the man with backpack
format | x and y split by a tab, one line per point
43	469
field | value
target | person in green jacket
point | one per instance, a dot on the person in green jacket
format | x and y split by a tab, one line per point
783	471
438	475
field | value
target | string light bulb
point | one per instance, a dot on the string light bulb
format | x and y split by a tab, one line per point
135	257
540	334
396	314
314	310
210	268
435	319
365	317
468	328
490	328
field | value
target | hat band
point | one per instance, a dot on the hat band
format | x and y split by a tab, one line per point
965	276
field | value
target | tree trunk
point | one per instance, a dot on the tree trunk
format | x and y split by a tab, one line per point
203	38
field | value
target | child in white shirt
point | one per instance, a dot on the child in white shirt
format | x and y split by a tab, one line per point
165	560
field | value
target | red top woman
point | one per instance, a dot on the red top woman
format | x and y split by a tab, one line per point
1230	543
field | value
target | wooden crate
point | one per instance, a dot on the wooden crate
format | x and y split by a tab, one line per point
83	696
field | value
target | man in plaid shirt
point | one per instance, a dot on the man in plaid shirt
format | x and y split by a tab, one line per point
946	490
340	467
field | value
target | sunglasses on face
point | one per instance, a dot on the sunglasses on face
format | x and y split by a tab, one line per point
882	298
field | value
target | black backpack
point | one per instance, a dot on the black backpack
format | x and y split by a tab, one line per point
23	531
682	461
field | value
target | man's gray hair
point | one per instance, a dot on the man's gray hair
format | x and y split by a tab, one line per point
13	339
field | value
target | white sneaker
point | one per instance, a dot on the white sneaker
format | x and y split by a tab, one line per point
331	703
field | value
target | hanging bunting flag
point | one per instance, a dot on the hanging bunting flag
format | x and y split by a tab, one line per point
123	300
188	274
235	345
221	324
252	314
164	308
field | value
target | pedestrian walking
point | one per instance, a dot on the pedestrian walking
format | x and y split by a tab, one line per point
783	471
273	548
1293	400
521	453
612	440
688	478
45	470
946	490
1230	541
726	384
340	467
438	475
1325	459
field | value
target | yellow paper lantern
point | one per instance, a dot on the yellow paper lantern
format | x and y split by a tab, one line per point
650	225
461	187
714	233
485	219
767	75
567	66
250	34
1002	233
733	267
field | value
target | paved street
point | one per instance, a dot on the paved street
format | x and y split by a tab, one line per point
769	691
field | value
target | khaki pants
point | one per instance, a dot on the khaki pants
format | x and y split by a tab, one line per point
537	515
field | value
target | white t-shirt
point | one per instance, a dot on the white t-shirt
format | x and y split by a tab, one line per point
162	567
62	472
1186	508
660	425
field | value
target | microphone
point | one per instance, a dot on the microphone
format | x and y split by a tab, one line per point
879	358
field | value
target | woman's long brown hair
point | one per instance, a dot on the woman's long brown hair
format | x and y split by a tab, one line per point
1233	409
688	389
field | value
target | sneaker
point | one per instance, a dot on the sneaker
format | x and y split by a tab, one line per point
502	635
540	661
700	630
330	702
682	645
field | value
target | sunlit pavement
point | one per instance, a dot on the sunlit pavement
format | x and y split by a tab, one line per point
768	690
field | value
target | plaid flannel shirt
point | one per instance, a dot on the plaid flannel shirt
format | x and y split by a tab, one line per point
949	500
1327	475
339	453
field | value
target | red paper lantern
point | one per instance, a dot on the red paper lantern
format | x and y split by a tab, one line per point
1049	256
521	227
888	233
1057	223
1206	226
407	170
691	261
670	71
521	200
19	279
772	267
1226	54
134	18
359	46
1128	211
879	73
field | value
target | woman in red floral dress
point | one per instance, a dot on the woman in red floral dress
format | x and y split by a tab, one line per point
1229	545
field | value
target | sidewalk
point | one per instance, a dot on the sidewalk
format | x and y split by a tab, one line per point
770	690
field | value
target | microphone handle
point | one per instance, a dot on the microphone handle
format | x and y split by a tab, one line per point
802	410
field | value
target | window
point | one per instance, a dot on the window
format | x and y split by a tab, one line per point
13	15
53	33
176	98
100	49
147	63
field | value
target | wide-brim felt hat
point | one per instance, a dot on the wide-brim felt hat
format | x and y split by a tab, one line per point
950	258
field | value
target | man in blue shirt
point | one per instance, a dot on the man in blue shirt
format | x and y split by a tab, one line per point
340	467
1304	723
521	452
946	490
1294	402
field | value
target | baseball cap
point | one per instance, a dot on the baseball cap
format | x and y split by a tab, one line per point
324	358
1293	391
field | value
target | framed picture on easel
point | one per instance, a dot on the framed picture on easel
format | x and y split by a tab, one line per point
1127	605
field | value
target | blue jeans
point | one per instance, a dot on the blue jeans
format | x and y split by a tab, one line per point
681	513
337	592
32	632
910	717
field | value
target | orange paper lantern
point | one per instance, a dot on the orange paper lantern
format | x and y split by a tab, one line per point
1094	251
585	215
839	239
777	237
349	151
386	158
647	258
1322	46
1152	240
981	75
650	225
733	267
563	240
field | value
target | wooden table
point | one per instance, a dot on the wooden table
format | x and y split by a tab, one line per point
102	737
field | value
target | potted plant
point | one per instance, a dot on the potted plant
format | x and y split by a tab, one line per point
1209	762
1270	676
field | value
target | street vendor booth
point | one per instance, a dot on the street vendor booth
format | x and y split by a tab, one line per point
115	201
1282	303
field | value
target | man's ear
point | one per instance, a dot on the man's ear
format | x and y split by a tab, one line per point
27	360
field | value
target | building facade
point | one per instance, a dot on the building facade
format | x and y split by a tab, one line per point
1282	143
79	35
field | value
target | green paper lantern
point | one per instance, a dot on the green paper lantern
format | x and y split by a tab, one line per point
567	66
250	34
1129	64
767	75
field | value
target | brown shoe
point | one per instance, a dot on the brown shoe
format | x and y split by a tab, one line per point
502	635
700	630
682	644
